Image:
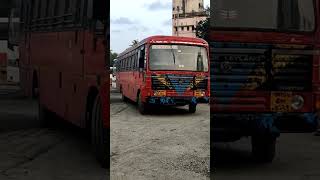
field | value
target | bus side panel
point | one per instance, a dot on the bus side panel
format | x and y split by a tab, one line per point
127	85
94	53
105	99
76	90
59	74
25	69
138	82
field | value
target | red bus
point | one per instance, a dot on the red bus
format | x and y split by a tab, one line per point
165	70
265	70
64	63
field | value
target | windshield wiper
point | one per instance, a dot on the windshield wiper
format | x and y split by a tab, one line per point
174	56
200	63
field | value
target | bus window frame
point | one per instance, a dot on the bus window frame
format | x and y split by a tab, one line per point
245	29
197	45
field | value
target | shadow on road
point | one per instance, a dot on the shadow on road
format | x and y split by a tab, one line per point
227	157
60	150
152	110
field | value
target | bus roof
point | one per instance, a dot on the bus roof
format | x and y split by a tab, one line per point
166	39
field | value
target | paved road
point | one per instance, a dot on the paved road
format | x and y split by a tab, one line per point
30	152
168	143
298	158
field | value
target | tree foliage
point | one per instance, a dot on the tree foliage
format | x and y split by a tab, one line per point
113	56
134	42
202	29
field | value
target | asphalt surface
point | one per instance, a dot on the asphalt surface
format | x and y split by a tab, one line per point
30	152
167	143
297	158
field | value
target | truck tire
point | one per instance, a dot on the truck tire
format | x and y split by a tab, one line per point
263	148
100	135
192	108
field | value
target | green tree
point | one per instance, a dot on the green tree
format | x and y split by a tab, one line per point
113	56
202	29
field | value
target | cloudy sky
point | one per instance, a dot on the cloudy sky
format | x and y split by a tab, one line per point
138	19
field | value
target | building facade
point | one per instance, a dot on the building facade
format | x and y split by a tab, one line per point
9	52
186	15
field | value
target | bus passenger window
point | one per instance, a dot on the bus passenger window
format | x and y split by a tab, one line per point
141	58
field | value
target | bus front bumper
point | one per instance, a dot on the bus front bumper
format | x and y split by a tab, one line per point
242	124
176	101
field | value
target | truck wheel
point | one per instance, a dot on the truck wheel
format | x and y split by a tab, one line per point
263	148
141	105
192	108
100	135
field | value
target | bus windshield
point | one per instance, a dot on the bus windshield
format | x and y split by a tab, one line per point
277	15
178	58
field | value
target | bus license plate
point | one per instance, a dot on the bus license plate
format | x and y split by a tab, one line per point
281	101
160	93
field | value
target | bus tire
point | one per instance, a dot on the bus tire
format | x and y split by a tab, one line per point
263	148
35	87
124	98
141	105
99	135
192	108
45	117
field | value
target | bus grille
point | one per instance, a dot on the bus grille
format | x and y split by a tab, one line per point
242	78
233	76
292	73
179	83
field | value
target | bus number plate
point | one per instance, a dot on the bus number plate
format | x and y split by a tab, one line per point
160	93
281	102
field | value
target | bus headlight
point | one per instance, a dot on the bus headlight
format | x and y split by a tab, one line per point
199	93
297	102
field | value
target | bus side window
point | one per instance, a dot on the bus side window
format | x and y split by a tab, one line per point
141	58
135	61
132	62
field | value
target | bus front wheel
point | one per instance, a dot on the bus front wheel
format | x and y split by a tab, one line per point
46	117
192	108
263	148
124	98
99	135
141	105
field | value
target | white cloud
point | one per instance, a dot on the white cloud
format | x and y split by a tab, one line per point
138	19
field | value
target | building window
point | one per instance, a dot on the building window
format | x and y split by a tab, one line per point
176	28
188	28
193	28
182	28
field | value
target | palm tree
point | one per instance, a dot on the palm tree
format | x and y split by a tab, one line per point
134	42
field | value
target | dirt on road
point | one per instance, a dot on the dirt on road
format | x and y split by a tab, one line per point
168	143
